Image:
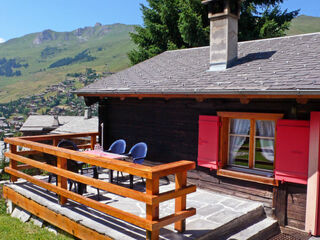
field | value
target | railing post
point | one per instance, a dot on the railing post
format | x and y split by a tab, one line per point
62	181
13	163
152	211
54	142
93	141
180	202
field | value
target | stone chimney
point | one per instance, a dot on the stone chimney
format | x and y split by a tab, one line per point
223	15
55	121
87	113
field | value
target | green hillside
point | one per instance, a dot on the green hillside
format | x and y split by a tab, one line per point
304	24
31	63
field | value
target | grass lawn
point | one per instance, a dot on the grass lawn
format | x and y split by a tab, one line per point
14	229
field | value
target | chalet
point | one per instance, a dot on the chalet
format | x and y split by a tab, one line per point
247	113
3	124
44	124
18	118
79	124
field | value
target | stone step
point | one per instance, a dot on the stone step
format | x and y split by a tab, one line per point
237	224
264	229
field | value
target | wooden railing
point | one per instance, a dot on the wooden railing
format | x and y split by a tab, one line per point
151	197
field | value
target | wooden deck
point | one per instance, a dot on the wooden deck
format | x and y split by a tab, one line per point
217	214
84	221
151	197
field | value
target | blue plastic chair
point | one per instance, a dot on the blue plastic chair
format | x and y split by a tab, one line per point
72	165
118	146
138	153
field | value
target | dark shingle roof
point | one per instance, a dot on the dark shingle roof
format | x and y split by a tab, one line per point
287	65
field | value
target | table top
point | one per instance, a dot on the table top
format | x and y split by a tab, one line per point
107	154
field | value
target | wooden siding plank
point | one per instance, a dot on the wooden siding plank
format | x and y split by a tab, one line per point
280	204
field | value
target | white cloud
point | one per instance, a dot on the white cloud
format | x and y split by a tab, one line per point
2	40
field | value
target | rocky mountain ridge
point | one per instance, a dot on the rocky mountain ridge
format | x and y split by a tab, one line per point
80	34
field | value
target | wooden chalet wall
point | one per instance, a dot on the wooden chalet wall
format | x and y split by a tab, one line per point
170	128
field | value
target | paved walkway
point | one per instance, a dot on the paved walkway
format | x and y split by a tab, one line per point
213	210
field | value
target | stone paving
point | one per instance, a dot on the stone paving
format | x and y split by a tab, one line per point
213	210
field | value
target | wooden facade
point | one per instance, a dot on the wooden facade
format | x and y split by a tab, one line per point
170	128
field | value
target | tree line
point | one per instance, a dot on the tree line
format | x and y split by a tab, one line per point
7	67
176	24
84	56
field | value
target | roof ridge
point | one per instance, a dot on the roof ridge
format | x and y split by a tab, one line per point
250	41
284	37
186	49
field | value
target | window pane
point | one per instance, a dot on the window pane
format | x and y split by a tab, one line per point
240	126
239	151
265	128
264	154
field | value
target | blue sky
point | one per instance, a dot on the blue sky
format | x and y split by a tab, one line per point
20	17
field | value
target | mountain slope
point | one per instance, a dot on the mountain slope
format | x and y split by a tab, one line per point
31	63
304	24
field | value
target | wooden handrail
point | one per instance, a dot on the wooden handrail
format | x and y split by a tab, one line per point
123	191
118	165
172	168
58	136
152	198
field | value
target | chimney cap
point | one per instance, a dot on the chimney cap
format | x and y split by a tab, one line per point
87	113
220	8
205	2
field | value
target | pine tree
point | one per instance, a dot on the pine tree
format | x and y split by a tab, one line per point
176	24
263	19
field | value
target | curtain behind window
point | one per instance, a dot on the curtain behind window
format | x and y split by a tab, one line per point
237	127
266	129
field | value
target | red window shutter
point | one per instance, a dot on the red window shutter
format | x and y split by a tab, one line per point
208	142
292	151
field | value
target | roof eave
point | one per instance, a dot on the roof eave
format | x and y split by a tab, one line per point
297	93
